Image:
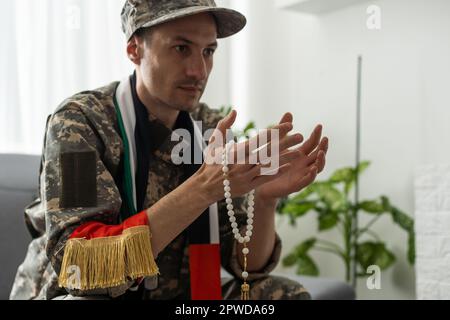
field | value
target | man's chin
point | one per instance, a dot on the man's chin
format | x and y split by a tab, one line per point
192	107
188	106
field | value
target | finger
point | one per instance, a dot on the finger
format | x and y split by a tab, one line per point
254	171
313	141
308	178
287	117
243	150
326	144
262	179
217	140
323	146
219	134
278	148
291	141
287	157
284	140
320	163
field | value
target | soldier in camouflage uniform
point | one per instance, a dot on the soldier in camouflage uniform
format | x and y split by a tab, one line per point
88	122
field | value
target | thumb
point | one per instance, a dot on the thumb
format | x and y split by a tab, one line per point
287	117
226	123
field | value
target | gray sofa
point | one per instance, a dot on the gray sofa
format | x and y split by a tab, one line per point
18	187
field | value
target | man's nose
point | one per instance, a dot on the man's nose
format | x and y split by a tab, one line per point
197	67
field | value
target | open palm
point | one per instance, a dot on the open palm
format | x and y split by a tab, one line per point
303	170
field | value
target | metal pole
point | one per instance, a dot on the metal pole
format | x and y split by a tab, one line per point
358	160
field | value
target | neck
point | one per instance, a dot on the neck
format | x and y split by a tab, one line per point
164	113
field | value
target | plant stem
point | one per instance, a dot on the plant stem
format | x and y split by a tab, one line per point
329	243
347	235
341	231
338	253
367	227
374	235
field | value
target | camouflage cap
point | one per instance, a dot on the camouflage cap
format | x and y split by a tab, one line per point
138	14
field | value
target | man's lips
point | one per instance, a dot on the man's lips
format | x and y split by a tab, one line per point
191	88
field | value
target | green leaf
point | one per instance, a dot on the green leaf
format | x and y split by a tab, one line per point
328	220
374	253
303	248
305	193
386	203
363	166
225	110
404	222
290	259
351	175
402	219
292	220
307	266
250	126
347	174
333	198
281	204
298	209
372	206
342	175
411	247
407	224
348	187
281	209
297	255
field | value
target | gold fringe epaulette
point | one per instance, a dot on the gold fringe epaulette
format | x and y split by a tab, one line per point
108	262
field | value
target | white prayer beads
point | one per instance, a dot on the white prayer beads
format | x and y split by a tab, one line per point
250	210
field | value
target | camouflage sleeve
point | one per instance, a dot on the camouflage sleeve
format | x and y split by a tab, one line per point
70	131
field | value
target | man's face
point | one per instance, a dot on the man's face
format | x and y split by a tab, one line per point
177	60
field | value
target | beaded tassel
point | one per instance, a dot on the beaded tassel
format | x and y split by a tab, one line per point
245	291
245	288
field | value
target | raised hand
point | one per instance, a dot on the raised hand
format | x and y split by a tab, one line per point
246	176
303	169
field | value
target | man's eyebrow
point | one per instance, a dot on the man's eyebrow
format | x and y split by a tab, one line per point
183	39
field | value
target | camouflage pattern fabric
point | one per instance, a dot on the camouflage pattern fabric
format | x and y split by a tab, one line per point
267	288
138	14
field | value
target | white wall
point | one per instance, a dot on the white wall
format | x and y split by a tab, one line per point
307	65
432	193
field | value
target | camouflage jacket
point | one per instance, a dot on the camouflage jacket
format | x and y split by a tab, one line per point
86	122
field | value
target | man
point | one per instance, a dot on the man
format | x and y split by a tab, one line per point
117	218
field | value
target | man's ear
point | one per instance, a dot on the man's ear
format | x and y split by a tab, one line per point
134	50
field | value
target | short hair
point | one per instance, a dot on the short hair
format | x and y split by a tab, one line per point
144	33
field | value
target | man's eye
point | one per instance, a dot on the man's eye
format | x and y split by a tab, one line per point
209	52
181	48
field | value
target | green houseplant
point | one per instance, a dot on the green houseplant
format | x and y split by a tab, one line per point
330	199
